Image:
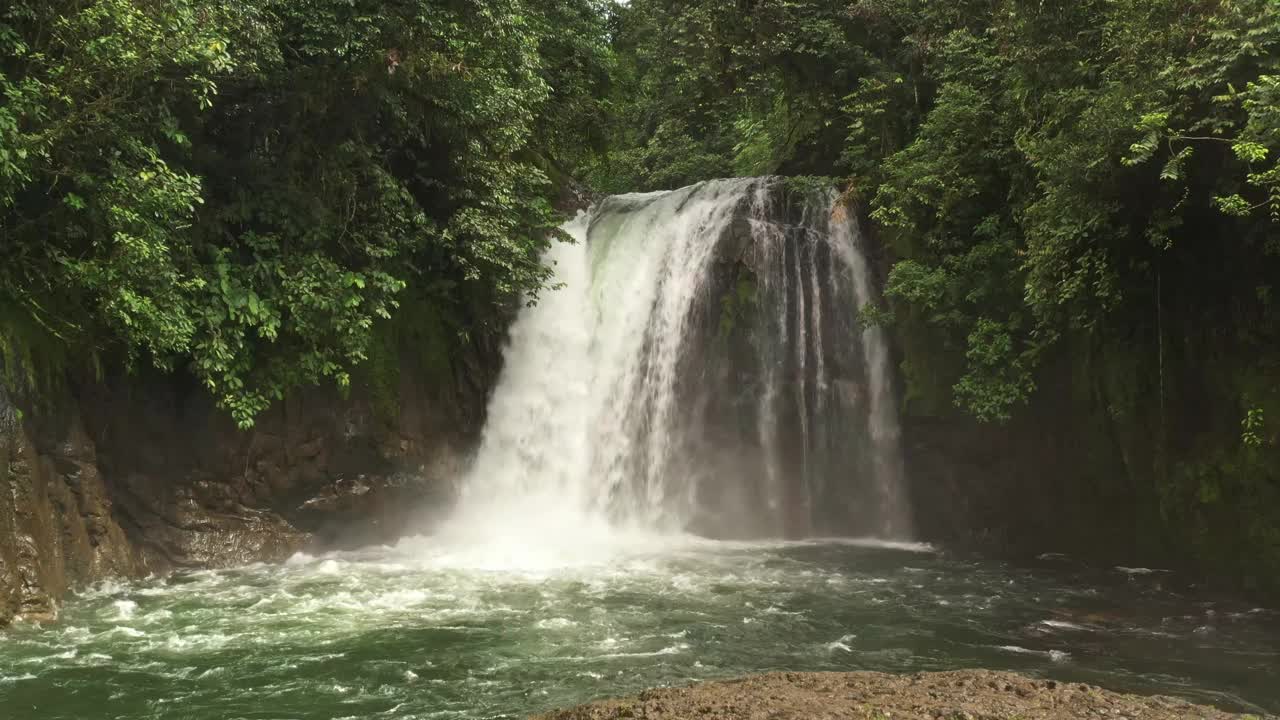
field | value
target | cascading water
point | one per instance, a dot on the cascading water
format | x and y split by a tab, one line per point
700	368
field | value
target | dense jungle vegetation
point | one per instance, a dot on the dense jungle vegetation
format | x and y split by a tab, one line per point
243	190
1081	194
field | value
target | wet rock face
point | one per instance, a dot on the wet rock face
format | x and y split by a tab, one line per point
775	379
143	474
57	522
1054	480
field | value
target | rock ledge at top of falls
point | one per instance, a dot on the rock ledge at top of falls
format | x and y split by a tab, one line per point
958	695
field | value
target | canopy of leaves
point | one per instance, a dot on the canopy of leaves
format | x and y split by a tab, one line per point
1038	168
242	189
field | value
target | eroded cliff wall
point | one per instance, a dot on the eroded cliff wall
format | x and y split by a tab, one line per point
58	526
136	474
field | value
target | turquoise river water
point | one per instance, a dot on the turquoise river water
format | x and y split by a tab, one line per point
421	632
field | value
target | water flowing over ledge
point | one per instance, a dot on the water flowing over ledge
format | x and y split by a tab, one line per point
700	368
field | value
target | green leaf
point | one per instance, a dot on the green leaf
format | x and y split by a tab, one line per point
1173	169
1250	152
1233	205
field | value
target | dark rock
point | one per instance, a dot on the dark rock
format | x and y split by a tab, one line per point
142	474
57	523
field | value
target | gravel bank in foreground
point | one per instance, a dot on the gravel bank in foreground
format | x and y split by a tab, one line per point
961	695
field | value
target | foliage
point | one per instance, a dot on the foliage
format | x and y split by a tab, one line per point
241	190
738	302
1032	165
1253	428
714	89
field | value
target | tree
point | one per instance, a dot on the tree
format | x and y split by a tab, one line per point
242	190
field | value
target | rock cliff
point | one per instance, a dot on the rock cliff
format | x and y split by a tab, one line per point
139	474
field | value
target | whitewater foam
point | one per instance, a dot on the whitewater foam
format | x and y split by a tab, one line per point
1062	625
1054	655
843	644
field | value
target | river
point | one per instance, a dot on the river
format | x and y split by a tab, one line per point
427	630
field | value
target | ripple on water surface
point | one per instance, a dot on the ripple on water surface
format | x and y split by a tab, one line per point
427	631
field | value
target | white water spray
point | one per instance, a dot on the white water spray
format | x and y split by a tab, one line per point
600	428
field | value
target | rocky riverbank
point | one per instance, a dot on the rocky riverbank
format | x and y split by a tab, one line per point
961	695
131	475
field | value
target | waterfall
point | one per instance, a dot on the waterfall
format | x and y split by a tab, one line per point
699	368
